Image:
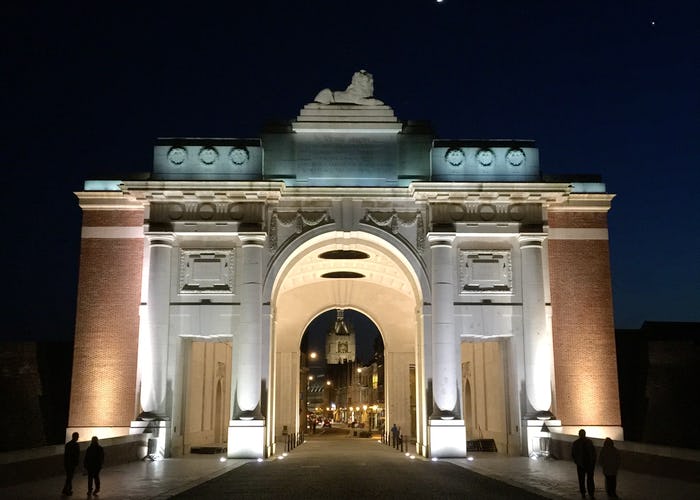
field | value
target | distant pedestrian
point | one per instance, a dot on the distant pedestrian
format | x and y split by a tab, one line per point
94	458
583	453
394	436
610	462
71	459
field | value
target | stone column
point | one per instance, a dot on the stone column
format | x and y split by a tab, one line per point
537	340
444	340
248	333
154	342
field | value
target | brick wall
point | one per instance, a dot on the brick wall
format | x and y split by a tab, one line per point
21	389
107	323
585	365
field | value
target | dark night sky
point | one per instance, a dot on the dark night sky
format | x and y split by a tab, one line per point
606	87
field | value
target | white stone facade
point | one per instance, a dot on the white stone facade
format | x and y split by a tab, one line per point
456	278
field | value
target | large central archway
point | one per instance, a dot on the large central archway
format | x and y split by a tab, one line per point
375	275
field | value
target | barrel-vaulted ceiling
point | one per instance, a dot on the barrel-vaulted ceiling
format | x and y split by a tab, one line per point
347	270
347	262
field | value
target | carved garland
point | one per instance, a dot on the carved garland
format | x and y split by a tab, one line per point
299	220
394	221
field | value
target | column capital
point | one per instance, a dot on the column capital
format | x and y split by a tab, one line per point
160	239
531	240
252	239
441	239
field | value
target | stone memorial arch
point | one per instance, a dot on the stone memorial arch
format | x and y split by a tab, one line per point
487	280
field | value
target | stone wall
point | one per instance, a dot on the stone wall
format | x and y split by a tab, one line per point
664	461
39	463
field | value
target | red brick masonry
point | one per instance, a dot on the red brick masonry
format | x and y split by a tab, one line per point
107	323
585	364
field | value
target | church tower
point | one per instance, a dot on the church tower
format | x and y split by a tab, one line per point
340	342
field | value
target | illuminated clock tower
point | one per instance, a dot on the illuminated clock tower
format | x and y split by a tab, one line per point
340	342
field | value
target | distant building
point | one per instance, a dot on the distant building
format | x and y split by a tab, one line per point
355	389
659	372
35	386
340	341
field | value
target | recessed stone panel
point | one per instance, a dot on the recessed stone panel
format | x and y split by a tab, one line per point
485	271
206	271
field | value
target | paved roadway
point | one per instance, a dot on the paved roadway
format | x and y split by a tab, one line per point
336	466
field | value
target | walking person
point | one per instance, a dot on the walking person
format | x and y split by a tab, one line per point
583	453
71	459
610	462
94	458
394	436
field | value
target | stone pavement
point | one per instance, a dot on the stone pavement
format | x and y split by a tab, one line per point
557	479
519	477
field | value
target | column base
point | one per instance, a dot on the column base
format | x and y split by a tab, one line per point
447	438
159	440
246	439
538	439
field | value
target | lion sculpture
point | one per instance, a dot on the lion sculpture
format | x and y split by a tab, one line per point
359	91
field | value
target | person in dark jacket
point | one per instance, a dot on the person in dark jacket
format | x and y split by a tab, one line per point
71	459
394	436
583	453
610	462
94	458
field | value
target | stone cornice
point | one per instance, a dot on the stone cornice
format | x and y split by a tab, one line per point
583	202
363	192
138	194
479	192
204	190
250	191
107	200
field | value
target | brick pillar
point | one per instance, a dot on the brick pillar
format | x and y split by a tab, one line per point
107	317
585	365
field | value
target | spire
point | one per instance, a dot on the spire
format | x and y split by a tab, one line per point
341	327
